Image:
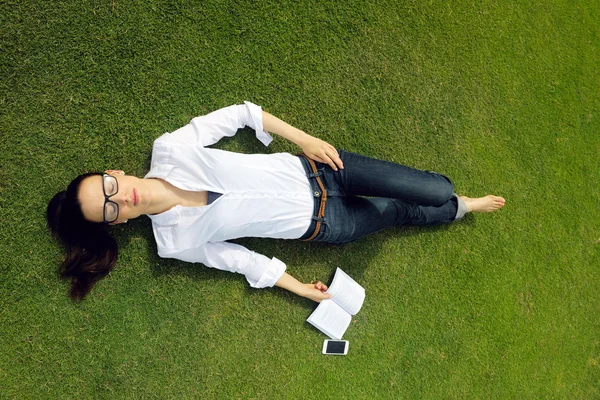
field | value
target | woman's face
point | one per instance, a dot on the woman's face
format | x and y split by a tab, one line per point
131	199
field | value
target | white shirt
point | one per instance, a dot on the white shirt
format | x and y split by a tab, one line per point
263	195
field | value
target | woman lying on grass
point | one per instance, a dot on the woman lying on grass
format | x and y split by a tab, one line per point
198	198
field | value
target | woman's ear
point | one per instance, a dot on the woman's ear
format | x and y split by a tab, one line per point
118	222
113	172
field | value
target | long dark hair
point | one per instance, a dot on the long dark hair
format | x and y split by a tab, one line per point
91	250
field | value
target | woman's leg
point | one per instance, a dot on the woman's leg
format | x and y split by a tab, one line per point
400	195
350	218
365	176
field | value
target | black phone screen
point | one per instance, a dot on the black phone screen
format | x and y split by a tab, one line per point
335	347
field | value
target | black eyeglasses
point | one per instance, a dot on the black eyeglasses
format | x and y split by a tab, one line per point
110	186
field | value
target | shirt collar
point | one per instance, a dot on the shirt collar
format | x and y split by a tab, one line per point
167	218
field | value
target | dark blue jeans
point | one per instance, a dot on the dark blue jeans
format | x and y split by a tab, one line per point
397	195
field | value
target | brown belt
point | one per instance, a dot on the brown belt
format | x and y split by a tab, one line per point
321	212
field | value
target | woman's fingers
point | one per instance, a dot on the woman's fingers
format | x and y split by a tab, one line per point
329	161
335	157
321	286
316	292
321	296
325	296
321	151
330	157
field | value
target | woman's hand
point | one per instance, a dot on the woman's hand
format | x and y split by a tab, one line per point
313	291
316	149
321	151
316	291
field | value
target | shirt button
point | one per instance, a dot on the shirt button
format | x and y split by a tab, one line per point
317	194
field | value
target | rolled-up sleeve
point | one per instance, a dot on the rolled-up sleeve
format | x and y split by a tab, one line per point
253	119
210	128
260	271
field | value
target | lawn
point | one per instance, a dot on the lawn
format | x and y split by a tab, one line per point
503	97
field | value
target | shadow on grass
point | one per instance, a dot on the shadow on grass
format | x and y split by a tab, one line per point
306	261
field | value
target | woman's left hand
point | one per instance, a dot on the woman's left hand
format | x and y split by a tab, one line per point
316	291
321	151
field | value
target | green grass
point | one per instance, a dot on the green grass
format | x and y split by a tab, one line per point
501	96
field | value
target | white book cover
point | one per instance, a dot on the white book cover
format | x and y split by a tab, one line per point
333	316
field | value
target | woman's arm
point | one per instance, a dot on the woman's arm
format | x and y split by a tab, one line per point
313	291
313	147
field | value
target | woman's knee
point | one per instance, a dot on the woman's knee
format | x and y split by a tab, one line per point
442	191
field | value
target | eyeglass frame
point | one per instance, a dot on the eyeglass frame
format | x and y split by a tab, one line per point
107	199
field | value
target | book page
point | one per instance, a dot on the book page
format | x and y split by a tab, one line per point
346	292
330	319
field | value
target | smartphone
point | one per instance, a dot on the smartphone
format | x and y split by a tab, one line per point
335	347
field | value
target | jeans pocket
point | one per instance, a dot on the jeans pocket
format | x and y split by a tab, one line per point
324	233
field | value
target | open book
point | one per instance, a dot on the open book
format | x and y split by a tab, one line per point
333	316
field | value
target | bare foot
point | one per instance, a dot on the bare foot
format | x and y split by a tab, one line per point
487	203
